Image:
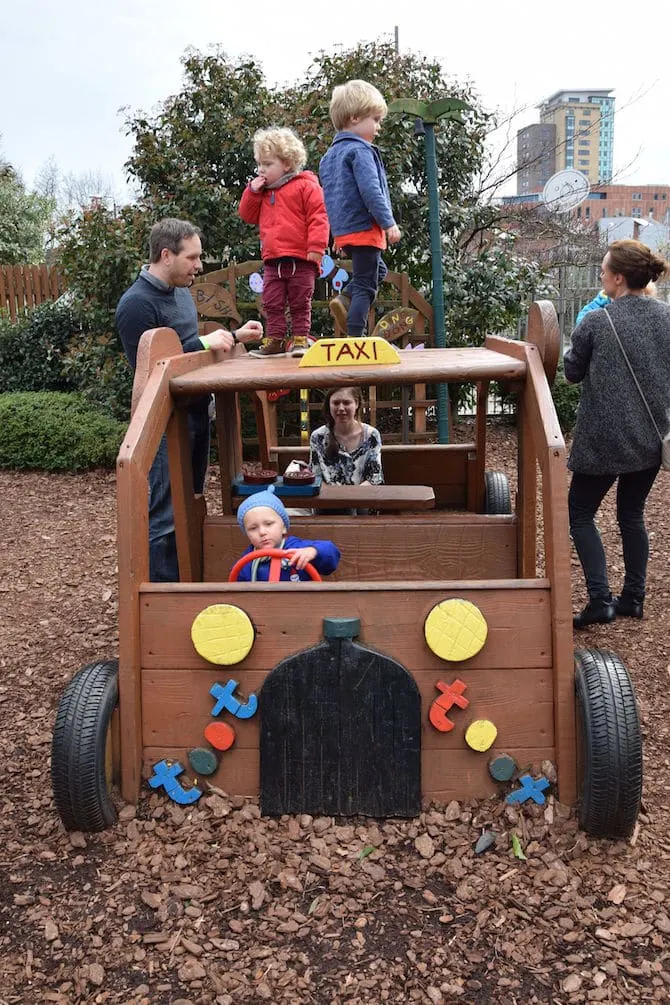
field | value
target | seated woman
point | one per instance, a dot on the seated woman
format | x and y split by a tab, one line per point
346	451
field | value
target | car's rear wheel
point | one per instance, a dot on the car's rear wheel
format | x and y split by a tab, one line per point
497	496
610	745
82	752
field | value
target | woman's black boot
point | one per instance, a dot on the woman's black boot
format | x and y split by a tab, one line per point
628	607
596	612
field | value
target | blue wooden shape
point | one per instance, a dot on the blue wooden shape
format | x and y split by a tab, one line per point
502	767
166	775
531	788
339	279
225	700
203	760
327	266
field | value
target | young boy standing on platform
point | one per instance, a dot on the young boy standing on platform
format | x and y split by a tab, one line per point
264	520
357	199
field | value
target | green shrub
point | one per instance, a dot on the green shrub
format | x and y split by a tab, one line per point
54	431
32	348
96	365
566	402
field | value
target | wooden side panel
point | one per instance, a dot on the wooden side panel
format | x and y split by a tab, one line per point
187	515
517	614
430	547
177	705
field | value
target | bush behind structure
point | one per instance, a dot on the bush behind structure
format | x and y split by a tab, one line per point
56	431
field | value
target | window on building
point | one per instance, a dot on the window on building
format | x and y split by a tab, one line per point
636	212
587	212
584	122
656	196
584	143
637	197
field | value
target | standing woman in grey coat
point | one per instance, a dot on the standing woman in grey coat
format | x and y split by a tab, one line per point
615	438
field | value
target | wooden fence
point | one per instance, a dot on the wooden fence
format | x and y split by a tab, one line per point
23	286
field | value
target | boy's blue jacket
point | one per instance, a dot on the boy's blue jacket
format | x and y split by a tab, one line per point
326	561
354	185
602	300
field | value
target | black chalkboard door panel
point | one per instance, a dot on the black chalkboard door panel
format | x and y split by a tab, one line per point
340	734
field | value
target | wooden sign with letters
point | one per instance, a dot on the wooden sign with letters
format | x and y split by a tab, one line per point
350	352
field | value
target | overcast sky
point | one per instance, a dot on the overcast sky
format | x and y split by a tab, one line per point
67	67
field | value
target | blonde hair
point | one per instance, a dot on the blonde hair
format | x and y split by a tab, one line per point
277	141
355	99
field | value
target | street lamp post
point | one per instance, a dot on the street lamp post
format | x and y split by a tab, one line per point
426	115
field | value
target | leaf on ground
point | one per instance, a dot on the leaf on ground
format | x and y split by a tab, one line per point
517	849
368	850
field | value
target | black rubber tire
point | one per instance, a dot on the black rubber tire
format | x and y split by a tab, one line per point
79	776
497	496
610	745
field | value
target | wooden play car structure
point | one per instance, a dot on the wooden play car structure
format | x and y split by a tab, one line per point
438	660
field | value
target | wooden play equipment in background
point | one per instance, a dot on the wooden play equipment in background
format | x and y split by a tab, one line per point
407	321
319	656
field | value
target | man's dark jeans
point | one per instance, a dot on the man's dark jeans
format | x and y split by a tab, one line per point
163	565
584	499
368	271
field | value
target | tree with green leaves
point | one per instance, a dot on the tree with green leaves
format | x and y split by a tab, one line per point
193	157
24	217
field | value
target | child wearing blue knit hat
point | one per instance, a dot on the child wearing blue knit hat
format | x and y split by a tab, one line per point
263	518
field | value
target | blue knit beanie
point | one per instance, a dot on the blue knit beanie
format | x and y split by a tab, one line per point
265	498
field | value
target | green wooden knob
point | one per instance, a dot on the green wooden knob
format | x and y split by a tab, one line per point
341	628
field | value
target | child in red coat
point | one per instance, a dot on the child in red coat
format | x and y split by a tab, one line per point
287	204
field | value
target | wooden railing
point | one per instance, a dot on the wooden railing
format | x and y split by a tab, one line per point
23	286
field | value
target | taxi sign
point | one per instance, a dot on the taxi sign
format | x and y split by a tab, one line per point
350	351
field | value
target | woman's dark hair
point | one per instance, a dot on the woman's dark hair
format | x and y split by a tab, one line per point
332	448
637	263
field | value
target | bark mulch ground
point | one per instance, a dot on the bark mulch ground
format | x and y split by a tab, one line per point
215	904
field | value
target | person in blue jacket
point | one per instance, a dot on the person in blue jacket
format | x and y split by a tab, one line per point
602	300
264	520
357	198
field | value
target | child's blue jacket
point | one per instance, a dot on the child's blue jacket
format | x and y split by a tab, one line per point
602	300
326	561
354	184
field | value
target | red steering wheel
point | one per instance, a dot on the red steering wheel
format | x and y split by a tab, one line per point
275	555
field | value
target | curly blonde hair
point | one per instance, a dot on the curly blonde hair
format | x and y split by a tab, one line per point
355	99
276	141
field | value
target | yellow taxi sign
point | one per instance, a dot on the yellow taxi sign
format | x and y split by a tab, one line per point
350	352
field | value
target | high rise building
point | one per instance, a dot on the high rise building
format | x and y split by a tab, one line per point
583	139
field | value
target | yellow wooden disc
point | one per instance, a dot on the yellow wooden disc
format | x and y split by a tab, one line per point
455	629
481	734
222	634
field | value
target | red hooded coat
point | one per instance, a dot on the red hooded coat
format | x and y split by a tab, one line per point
292	219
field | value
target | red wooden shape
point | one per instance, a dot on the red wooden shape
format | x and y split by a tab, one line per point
452	694
220	735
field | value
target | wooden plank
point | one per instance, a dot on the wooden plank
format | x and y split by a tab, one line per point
379	497
431	545
480	439
463	774
19	287
188	529
44	282
446	774
36	283
28	286
228	426
247	373
526	495
154	345
11	292
133	552
517	613
177	705
4	294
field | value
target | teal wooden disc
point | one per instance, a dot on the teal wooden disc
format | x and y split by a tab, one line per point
203	761
502	767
